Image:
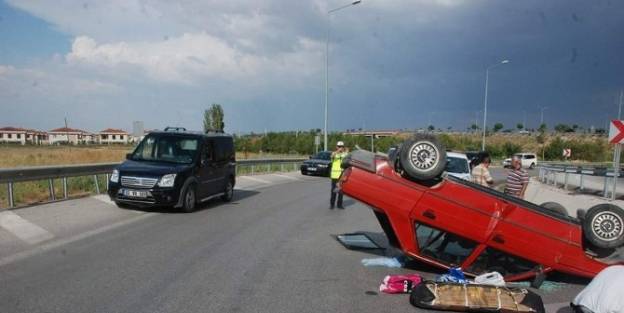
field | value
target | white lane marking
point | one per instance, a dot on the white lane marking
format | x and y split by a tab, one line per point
55	244
105	199
259	180
286	176
23	229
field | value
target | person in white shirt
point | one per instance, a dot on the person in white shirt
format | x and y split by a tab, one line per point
605	293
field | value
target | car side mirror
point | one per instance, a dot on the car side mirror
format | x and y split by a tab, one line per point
128	156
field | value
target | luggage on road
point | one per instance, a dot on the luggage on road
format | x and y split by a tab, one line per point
475	298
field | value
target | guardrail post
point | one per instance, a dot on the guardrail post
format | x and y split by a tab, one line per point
51	188
281	167
581	187
606	182
565	181
97	184
10	194
107	179
252	169
65	191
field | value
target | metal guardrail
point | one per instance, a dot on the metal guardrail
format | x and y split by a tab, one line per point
50	173
548	175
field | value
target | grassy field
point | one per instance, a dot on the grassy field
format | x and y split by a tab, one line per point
25	193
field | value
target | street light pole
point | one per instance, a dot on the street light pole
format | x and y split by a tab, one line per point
487	76
542	115
327	66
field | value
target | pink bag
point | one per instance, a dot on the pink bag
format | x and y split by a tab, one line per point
399	283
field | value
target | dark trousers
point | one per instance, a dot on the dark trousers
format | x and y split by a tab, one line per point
332	200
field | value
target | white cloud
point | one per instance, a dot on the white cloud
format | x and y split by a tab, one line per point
190	57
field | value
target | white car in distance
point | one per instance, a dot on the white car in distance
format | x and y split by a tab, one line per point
458	165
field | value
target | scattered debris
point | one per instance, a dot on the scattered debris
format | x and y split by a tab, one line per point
357	241
493	278
473	297
382	261
454	275
400	283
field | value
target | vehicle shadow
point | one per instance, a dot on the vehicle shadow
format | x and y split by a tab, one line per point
238	195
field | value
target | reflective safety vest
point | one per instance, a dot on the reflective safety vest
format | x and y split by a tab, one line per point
336	169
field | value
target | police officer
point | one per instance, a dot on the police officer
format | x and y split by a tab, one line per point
336	160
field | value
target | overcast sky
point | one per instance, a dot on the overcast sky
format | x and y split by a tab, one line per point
393	64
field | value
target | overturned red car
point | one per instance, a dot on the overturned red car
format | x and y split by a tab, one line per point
445	221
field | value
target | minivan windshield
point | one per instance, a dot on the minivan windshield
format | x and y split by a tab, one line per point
173	149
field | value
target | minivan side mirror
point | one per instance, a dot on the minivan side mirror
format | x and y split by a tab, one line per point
128	156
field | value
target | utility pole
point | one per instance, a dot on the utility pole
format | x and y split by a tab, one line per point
542	115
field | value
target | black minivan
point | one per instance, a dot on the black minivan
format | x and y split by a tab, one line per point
176	168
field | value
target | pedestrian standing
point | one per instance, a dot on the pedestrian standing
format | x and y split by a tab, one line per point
336	170
517	179
481	173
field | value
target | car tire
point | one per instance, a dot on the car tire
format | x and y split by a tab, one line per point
532	166
603	226
189	200
422	158
555	207
228	193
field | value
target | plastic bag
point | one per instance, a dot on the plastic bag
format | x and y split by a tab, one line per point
454	275
492	278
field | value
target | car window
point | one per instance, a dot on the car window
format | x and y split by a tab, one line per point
443	246
457	165
495	260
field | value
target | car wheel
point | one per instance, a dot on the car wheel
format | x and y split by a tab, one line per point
303	172
228	194
189	200
603	226
422	158
532	166
555	207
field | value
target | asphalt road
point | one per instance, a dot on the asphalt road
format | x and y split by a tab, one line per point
271	250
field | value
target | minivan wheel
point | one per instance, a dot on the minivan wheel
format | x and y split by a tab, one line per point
532	166
603	226
422	158
189	200
228	194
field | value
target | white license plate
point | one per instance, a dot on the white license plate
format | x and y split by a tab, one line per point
135	193
312	169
